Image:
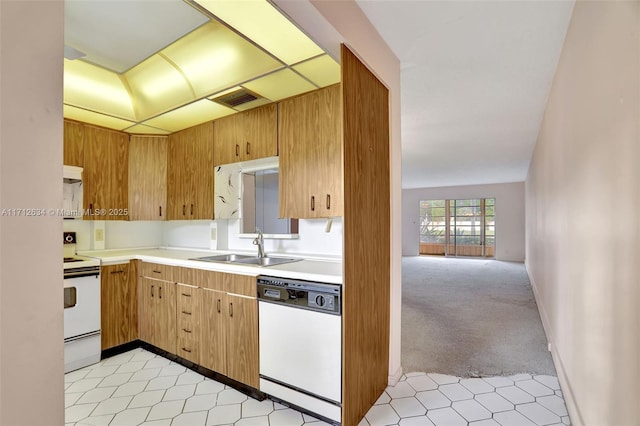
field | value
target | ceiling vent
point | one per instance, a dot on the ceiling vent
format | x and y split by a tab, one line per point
237	98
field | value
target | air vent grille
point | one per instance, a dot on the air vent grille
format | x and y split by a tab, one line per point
236	98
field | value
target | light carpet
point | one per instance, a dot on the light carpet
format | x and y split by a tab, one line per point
470	318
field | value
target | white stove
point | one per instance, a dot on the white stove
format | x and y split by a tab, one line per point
82	339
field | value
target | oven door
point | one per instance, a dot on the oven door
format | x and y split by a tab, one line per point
81	305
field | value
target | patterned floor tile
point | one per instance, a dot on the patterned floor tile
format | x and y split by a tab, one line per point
139	387
408	407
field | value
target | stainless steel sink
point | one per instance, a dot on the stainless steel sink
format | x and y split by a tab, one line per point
223	258
266	261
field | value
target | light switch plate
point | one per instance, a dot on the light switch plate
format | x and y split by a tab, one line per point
99	234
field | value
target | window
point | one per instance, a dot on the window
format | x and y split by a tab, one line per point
458	227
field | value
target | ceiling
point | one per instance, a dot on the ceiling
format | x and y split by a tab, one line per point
475	75
157	67
475	78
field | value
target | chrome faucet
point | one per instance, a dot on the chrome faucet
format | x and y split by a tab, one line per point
259	241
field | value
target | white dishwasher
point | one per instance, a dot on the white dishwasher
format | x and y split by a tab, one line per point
301	344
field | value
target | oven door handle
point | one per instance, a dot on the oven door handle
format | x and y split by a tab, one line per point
80	274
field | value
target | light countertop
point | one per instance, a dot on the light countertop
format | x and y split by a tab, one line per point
311	269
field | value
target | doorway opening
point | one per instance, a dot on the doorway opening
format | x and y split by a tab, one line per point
460	228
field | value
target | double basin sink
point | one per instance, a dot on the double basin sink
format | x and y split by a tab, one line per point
243	259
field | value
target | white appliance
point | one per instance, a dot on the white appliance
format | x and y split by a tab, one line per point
300	328
82	339
72	192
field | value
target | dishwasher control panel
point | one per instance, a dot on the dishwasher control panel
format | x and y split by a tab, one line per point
321	297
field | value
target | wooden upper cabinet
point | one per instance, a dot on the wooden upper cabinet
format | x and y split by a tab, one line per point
190	173
148	177
105	176
310	139
246	135
73	143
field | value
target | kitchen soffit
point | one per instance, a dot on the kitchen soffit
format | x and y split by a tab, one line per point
155	66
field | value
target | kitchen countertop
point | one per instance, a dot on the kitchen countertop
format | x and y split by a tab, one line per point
311	269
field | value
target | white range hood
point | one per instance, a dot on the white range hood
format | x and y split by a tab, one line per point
72	174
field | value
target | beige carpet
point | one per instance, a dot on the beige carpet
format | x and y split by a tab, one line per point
468	317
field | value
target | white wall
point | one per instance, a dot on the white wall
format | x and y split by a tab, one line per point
582	203
31	309
510	217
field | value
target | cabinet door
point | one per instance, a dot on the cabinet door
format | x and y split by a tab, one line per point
106	159
148	177
260	131
201	206
165	317
190	173
73	143
310	139
213	320
147	292
227	135
118	299
242	340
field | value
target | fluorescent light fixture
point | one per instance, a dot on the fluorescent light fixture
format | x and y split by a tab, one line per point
91	87
266	26
190	115
322	71
280	85
146	130
96	118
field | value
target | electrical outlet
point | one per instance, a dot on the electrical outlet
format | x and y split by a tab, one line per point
99	234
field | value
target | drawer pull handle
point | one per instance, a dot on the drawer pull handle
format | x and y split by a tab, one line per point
151	291
186	295
186	331
248	148
328	202
237	150
186	350
186	313
118	272
218	305
160	292
160	210
156	271
231	310
313	203
191	209
184	210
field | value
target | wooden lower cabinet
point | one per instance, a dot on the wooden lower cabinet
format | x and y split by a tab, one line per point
157	313
119	305
229	336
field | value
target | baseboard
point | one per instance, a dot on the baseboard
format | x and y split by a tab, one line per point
395	377
567	391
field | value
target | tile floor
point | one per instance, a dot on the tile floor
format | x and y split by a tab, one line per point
141	388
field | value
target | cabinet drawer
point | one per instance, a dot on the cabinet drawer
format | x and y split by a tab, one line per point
188	348
244	285
202	278
158	271
186	298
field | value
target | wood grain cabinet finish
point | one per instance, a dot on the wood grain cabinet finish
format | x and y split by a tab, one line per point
119	305
157	308
105	176
188	322
310	140
190	174
148	177
73	143
246	135
229	336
